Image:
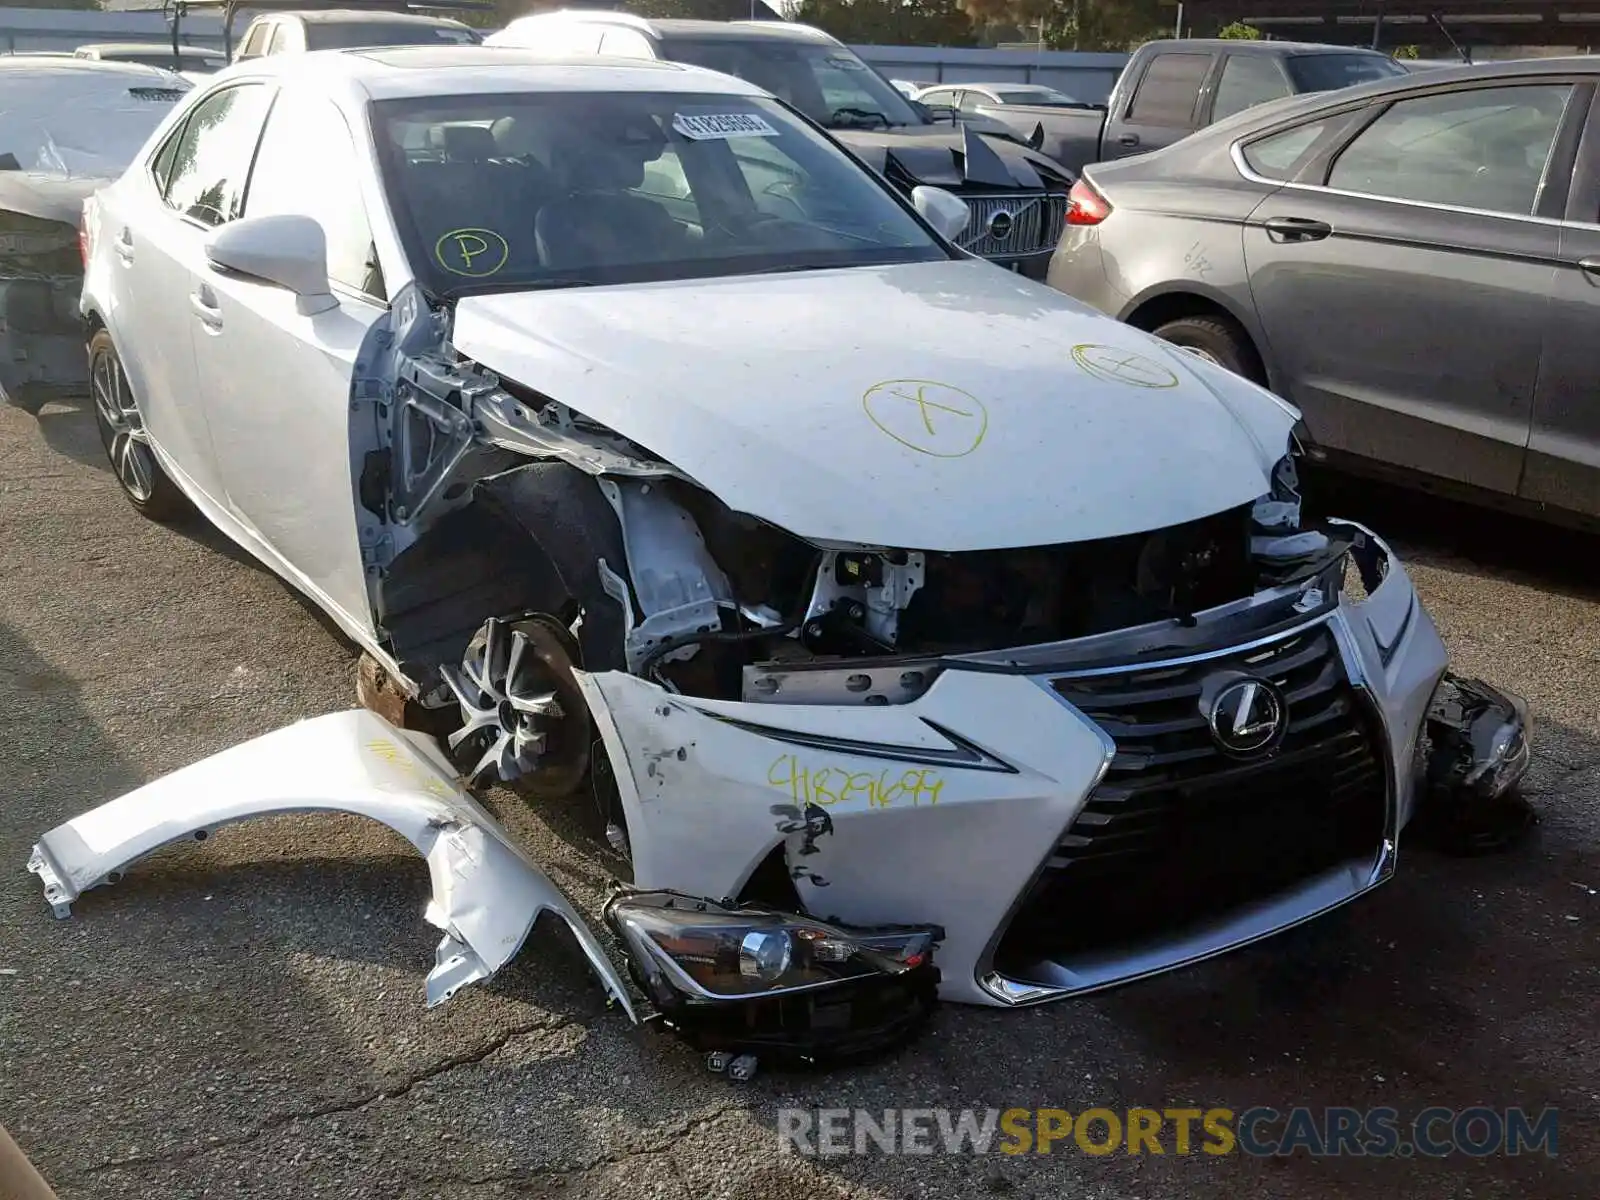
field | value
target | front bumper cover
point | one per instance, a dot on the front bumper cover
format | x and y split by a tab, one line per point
944	810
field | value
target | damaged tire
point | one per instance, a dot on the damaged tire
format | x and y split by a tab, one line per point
123	434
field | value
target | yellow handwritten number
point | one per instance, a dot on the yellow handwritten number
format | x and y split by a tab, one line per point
828	786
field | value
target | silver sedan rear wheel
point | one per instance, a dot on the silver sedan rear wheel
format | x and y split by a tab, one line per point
122	430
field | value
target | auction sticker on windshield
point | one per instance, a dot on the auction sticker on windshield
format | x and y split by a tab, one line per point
707	127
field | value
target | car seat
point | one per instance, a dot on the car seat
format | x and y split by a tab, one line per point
600	222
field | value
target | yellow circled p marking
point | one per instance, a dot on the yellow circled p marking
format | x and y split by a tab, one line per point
475	253
927	416
1116	365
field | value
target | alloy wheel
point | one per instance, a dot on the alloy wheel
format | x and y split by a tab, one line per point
511	707
127	443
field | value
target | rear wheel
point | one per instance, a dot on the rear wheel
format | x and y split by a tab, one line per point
1217	341
122	430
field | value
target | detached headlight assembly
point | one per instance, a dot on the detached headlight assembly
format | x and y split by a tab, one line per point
744	982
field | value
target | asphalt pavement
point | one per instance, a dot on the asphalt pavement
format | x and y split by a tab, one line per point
244	1017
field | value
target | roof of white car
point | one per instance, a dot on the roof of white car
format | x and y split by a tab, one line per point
401	72
351	16
65	68
149	48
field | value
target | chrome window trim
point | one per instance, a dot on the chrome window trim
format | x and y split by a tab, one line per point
1236	153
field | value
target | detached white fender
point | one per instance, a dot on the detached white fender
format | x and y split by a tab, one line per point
487	893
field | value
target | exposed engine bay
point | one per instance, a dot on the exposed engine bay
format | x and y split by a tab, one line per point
643	570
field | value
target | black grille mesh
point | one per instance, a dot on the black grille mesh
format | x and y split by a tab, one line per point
1177	832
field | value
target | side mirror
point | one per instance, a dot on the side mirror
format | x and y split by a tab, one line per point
288	250
947	213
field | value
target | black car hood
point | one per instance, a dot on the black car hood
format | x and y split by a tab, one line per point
954	156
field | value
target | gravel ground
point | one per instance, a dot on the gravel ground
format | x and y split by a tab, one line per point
244	1017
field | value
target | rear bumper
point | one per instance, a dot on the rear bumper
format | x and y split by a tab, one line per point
954	809
41	336
1078	268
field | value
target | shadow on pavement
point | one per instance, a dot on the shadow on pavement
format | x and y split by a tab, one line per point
227	989
1478	541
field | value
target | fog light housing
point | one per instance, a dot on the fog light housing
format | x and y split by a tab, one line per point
751	980
1479	748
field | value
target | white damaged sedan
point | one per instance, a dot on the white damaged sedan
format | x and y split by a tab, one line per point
650	445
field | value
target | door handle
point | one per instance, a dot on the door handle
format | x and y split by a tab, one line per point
124	246
1591	269
204	303
1296	229
1128	139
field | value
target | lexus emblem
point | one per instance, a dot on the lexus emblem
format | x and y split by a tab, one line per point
1246	714
1000	225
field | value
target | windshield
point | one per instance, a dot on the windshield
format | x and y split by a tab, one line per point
1330	72
331	35
1044	95
557	189
826	82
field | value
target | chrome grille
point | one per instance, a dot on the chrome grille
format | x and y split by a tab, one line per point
1037	219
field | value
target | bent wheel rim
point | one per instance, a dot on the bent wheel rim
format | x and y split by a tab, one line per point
127	443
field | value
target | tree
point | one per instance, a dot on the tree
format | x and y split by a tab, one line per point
1238	31
1076	24
890	22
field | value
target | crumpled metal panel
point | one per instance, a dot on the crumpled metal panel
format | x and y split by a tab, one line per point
487	893
954	156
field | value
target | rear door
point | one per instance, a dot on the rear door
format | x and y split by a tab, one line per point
1163	107
1563	465
1403	276
278	382
158	222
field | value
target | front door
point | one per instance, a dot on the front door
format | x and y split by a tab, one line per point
278	381
1564	450
1404	295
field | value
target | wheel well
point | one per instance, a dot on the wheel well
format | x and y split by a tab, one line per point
1174	306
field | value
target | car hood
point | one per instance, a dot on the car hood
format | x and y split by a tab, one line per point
954	156
933	406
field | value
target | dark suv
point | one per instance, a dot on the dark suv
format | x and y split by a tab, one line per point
1017	197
